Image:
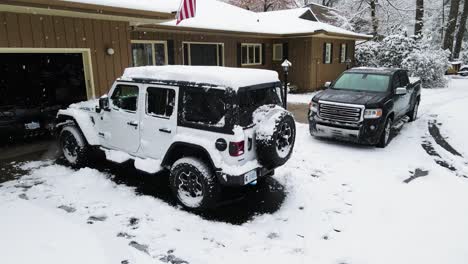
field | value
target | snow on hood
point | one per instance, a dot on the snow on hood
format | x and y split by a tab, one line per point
221	76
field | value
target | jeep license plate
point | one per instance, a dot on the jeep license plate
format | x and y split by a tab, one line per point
32	125
250	176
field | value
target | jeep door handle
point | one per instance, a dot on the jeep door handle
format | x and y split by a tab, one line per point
165	130
132	123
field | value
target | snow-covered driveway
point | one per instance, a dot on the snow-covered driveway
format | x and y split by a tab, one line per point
344	203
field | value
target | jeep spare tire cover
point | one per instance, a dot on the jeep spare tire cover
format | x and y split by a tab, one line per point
275	135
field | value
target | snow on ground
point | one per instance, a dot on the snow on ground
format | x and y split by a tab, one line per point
345	204
301	98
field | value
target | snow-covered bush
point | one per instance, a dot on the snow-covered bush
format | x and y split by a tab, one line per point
464	53
366	54
394	49
429	65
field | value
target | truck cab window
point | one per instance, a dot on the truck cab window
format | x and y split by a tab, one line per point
125	97
160	101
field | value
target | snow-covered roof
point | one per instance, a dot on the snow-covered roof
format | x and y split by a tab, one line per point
223	77
164	6
217	15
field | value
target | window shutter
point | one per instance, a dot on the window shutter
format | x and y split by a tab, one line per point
185	51
263	54
285	51
239	54
341	52
331	53
170	52
324	53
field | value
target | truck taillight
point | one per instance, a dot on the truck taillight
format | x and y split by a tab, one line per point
236	148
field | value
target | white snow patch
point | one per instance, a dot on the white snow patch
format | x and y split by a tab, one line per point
148	165
117	156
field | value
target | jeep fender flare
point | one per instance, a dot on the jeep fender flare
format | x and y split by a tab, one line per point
181	149
83	120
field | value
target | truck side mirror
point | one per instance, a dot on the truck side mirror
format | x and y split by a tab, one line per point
327	84
104	103
401	91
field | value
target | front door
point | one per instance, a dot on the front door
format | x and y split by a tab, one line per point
159	121
120	125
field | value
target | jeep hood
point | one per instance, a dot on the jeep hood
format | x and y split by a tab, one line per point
350	97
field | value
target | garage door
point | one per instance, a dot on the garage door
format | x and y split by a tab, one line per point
35	83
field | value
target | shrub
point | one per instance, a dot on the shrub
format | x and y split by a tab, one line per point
429	65
394	49
366	54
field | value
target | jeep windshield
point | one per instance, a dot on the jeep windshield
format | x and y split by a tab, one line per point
362	82
251	98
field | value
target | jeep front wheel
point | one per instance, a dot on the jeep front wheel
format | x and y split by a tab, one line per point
73	145
193	184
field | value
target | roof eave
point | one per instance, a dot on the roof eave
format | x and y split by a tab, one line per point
90	8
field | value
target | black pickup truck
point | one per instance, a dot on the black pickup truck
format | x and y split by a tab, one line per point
364	105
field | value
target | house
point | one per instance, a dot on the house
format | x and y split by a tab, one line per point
225	35
71	50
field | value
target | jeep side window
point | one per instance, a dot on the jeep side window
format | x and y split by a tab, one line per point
204	106
160	101
125	97
396	81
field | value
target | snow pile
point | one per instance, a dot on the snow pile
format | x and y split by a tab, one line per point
226	77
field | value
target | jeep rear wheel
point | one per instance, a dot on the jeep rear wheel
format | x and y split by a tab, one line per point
193	184
73	145
273	151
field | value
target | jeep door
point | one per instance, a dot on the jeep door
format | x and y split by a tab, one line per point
158	120
119	126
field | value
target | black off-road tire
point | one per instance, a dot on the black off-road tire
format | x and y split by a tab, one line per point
386	133
189	176
413	114
272	151
73	146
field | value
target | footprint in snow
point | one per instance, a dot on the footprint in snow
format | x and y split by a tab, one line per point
138	246
67	208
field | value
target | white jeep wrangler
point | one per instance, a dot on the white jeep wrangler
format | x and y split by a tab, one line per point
210	126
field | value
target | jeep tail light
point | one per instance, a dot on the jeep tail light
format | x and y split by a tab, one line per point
236	148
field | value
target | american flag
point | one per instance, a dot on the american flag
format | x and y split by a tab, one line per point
187	9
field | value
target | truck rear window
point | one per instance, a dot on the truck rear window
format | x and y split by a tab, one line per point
362	82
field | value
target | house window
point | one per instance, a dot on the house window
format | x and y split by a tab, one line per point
160	102
201	53
327	53
146	53
343	52
278	52
251	54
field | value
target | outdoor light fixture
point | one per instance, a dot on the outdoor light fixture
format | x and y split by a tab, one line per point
348	63
286	65
110	51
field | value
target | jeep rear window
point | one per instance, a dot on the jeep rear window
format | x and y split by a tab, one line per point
250	100
204	106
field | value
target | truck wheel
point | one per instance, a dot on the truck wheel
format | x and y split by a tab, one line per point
193	184
73	145
385	136
413	115
275	149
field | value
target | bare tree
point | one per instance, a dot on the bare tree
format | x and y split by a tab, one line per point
461	31
264	5
451	25
419	19
374	19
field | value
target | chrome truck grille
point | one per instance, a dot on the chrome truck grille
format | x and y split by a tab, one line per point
338	112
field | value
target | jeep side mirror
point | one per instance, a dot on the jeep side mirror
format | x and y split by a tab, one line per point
400	91
327	84
104	103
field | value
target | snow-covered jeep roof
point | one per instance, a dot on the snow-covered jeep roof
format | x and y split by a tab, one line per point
222	77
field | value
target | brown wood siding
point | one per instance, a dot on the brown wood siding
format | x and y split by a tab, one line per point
41	31
230	45
329	72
